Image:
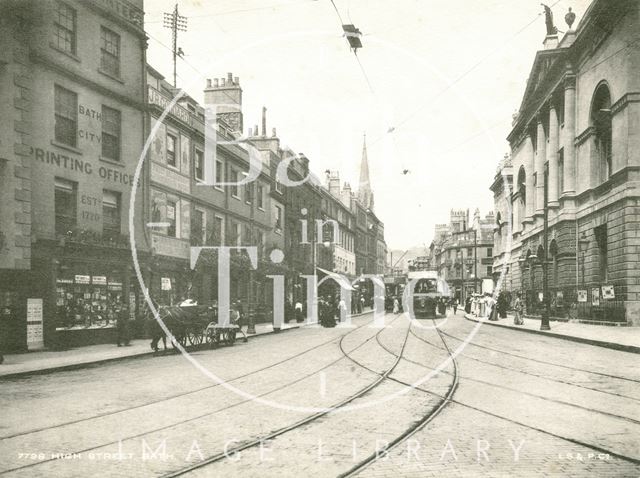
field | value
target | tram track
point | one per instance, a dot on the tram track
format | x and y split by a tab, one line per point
229	407
300	423
449	399
177	395
574	441
420	424
544	362
545	377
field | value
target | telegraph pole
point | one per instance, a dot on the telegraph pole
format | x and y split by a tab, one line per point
175	22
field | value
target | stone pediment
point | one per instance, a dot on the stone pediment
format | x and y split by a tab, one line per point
540	72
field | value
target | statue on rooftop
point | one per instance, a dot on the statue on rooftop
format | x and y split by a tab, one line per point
548	18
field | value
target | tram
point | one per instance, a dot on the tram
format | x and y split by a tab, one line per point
429	294
393	289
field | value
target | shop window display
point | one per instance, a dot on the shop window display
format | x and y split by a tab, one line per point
87	301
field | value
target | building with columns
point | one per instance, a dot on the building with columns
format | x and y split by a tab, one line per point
576	129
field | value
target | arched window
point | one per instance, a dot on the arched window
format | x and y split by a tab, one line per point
601	121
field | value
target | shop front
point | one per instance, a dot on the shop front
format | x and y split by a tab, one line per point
81	285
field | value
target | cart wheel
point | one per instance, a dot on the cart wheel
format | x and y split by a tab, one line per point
231	336
195	337
211	338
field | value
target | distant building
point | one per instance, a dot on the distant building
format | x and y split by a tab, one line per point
462	253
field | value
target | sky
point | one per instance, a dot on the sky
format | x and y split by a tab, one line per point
434	88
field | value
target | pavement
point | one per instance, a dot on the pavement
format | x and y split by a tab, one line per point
626	339
47	361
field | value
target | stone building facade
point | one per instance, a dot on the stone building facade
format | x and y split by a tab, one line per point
77	125
577	125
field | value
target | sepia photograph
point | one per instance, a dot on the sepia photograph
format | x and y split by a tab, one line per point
319	238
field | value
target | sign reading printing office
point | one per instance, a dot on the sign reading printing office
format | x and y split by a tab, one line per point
63	161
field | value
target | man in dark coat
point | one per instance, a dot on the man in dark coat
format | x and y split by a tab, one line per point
122	325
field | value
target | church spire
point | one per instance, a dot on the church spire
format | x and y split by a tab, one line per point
365	194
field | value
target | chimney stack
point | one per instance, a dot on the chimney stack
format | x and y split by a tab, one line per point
227	96
256	131
222	82
264	121
208	82
230	78
273	133
236	80
215	83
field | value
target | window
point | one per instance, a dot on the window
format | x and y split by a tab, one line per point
198	165
237	234
219	173
489	271
489	251
469	252
65	28
171	218
602	241
111	212
560	172
66	204
218	231
234	179
66	116
601	120
278	187
248	191
278	225
198	228
109	51
171	150
110	133
260	196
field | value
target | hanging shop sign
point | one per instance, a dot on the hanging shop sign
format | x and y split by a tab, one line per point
608	292
35	337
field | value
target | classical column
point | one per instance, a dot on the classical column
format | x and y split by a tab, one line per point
541	158
569	135
552	155
529	163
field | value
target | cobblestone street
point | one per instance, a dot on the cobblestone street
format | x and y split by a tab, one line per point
326	400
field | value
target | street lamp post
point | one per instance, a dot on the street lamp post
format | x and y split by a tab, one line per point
583	245
544	323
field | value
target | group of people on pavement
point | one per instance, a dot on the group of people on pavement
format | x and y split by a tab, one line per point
485	305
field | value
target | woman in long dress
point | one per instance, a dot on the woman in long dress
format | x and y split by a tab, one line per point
396	305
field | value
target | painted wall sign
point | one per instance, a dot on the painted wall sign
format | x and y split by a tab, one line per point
82	279
582	296
35	337
99	280
124	10
65	162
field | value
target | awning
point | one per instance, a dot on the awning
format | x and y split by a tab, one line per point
342	281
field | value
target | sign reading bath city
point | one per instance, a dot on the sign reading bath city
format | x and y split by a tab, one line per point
35	337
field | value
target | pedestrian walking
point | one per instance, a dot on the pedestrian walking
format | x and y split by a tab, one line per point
454	304
122	326
517	309
235	316
342	309
298	311
396	306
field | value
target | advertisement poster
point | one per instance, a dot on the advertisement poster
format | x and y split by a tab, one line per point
608	292
595	296
35	337
582	296
166	283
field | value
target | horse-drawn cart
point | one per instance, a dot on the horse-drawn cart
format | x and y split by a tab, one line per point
192	325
